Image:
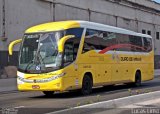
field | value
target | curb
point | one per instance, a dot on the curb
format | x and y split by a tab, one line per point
8	92
115	103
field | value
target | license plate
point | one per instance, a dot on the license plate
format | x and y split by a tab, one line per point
35	87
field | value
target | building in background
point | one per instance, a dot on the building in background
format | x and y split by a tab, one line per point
17	15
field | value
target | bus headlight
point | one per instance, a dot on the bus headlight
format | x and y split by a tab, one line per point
19	82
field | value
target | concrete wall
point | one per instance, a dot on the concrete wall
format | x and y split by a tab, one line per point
1	17
148	3
66	13
27	13
19	15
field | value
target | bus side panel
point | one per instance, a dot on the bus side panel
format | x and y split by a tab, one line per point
71	80
87	64
103	74
99	65
148	67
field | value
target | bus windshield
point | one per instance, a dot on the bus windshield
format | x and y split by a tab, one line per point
39	51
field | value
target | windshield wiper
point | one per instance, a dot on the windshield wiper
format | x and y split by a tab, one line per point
28	65
40	61
35	61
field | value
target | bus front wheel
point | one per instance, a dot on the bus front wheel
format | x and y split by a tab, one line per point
87	85
48	93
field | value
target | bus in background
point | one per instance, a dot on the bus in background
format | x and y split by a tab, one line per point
70	55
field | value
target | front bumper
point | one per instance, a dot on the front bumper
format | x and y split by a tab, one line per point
51	83
46	86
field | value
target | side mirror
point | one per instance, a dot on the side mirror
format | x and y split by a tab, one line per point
62	42
11	45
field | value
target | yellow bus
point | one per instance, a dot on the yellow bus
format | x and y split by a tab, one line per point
79	55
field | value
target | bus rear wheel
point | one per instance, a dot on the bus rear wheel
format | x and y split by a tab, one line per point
48	93
86	85
138	80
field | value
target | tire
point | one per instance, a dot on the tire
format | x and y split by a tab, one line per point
138	80
48	93
86	85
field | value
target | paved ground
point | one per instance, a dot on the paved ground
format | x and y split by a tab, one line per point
37	103
147	107
8	85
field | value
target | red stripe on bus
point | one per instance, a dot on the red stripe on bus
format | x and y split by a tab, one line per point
119	46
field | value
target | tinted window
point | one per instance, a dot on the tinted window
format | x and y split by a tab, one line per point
106	41
143	31
75	31
136	44
99	40
149	32
157	35
124	42
91	40
147	44
72	45
68	52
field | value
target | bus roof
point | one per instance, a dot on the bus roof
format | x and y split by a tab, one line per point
97	26
60	25
53	26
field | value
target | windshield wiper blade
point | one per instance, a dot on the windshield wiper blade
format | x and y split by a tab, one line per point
28	65
42	60
34	60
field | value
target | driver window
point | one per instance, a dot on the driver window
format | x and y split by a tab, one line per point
72	45
68	52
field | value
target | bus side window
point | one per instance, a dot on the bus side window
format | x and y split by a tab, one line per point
91	41
147	44
68	52
136	43
72	45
